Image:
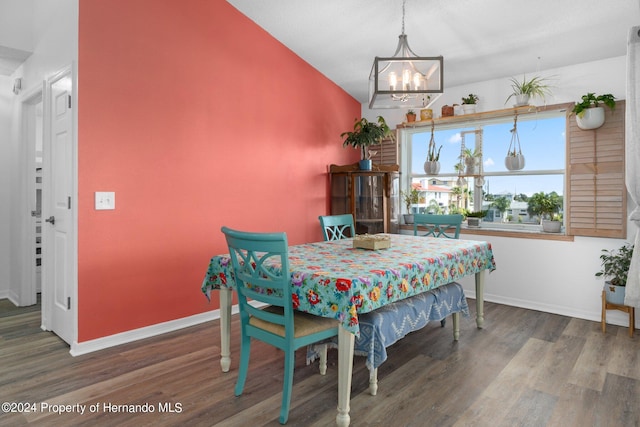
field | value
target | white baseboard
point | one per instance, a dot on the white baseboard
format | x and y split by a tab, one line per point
10	295
613	318
147	332
85	347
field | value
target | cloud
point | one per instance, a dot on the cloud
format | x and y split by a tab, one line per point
455	138
489	162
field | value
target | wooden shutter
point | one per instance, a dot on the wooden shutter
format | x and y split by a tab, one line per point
596	192
386	153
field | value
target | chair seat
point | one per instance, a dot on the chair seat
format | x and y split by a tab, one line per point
304	323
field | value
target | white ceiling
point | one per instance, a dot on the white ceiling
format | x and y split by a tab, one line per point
479	39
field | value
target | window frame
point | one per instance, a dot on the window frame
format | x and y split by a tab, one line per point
475	121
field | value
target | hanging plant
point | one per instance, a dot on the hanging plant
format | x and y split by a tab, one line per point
514	161
432	164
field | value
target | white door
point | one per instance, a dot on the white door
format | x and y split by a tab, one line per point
58	281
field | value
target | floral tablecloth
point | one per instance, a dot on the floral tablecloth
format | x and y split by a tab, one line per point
332	279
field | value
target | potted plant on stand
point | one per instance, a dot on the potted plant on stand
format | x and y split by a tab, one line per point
615	264
364	135
589	113
524	90
411	116
410	198
469	103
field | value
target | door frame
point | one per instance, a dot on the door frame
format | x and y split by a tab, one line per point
47	243
28	292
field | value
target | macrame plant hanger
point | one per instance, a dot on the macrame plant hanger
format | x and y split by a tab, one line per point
515	159
432	163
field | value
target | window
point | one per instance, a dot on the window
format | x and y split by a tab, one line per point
490	186
594	196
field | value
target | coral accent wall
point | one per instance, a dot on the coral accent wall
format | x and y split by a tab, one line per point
196	118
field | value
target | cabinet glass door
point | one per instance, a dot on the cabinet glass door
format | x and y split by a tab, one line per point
340	191
369	203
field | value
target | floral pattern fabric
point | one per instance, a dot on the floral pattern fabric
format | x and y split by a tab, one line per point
333	279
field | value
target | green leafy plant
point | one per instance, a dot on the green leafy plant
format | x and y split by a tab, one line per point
432	154
411	112
471	99
501	204
410	197
366	133
546	205
476	214
469	153
591	100
615	264
536	86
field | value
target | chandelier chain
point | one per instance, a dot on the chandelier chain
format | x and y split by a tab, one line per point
403	3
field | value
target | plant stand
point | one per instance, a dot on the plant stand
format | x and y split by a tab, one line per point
627	309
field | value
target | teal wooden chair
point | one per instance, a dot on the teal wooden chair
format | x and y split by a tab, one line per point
253	256
336	227
437	225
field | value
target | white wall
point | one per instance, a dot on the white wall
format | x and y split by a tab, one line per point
6	98
546	275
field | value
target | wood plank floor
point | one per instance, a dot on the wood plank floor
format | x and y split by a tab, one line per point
525	368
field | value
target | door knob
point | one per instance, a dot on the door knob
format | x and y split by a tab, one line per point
51	219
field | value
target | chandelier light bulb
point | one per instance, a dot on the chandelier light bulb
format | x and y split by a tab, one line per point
393	81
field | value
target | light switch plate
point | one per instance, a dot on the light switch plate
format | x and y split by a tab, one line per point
105	200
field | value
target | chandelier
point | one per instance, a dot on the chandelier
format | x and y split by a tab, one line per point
405	80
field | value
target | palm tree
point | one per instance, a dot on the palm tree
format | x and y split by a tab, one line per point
434	207
457	191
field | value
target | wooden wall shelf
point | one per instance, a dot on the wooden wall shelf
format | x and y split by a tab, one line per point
486	115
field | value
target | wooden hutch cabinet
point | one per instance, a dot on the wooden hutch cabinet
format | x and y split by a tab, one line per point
371	196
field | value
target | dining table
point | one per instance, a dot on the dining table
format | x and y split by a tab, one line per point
337	280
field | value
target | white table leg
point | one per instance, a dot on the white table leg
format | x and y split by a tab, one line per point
346	342
373	382
456	325
480	299
225	328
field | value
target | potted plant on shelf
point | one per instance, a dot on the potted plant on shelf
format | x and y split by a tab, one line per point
411	116
426	113
474	218
524	90
469	103
589	113
410	198
615	264
364	135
